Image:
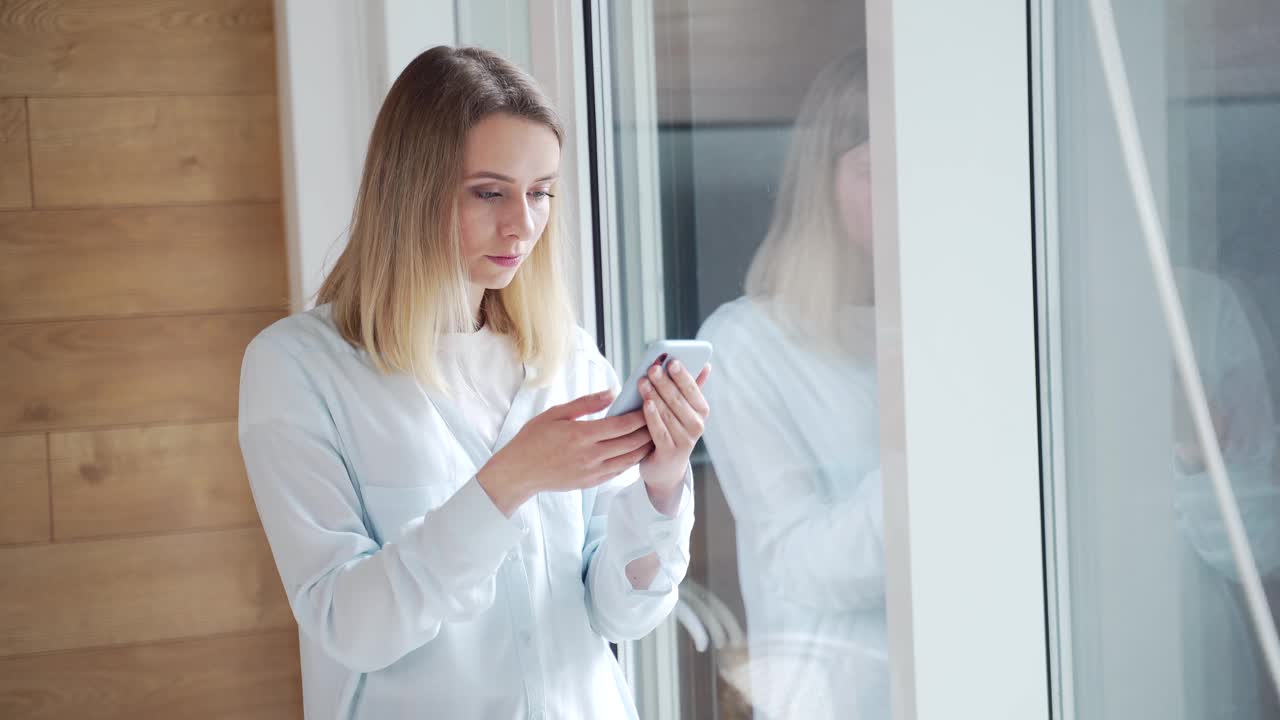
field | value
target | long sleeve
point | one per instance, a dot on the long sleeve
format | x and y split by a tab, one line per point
623	525
366	605
817	550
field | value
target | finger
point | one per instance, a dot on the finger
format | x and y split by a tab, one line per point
689	388
657	426
674	400
679	433
622	462
610	449
613	427
584	405
706	373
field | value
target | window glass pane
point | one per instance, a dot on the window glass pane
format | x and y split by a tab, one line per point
738	209
1157	626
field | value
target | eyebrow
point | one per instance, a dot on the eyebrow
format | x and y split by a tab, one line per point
505	178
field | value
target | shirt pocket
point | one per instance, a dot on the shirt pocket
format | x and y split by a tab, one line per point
391	510
563	538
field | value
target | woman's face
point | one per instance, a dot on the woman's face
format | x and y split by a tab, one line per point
853	195
509	167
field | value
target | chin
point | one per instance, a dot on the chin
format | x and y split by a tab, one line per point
499	282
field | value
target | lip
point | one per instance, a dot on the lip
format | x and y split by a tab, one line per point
508	261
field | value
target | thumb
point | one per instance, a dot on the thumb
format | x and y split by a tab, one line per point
584	405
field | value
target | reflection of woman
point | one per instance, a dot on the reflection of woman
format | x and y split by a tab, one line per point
454	542
1225	675
794	440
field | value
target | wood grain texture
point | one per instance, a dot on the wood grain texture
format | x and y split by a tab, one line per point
24	484
153	150
1223	49
253	677
746	61
70	47
76	263
96	373
15	171
152	479
137	590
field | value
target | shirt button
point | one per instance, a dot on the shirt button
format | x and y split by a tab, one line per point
512	556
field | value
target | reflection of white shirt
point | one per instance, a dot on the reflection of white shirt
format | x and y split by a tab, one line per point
414	595
794	438
1235	381
1225	677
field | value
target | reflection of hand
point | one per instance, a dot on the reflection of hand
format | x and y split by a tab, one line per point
1186	446
1232	402
676	413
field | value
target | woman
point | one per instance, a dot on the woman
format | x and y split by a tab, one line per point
796	444
453	540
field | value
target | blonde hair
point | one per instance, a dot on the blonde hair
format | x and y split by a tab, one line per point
807	262
401	281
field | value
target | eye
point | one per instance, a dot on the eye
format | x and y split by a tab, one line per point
541	194
487	194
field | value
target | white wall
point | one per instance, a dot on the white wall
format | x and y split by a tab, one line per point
336	60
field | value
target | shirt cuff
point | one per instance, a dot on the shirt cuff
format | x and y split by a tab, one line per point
468	537
637	528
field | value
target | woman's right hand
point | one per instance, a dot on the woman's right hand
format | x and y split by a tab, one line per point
556	451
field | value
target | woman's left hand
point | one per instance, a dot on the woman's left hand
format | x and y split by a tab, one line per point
676	413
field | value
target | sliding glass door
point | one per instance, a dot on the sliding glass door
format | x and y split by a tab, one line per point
1151	619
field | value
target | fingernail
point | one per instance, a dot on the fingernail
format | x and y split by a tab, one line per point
604	394
675	366
654	372
645	386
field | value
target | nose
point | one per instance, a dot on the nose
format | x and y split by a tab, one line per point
516	222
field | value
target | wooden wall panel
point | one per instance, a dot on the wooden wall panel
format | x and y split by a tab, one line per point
76	263
141	248
70	47
153	150
247	677
747	61
161	587
1224	49
15	171
154	479
24	484
95	373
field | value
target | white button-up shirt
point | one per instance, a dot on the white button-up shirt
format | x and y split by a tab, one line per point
796	447
414	595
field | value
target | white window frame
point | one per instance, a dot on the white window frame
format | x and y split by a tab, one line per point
951	200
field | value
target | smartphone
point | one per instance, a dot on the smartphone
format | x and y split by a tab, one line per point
693	354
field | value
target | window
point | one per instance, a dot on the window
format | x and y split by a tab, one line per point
735	185
1151	618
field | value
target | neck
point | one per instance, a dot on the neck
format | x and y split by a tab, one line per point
476	296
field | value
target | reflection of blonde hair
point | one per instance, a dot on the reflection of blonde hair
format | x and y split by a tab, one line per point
807	261
401	282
